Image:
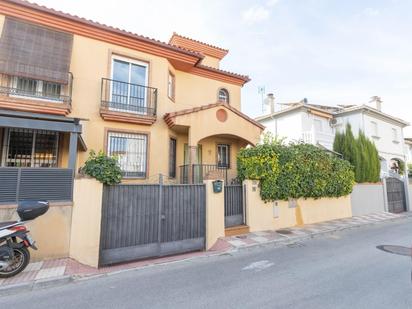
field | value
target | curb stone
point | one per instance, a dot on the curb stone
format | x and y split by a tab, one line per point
34	285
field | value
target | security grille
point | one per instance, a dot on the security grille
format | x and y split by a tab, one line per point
30	148
130	151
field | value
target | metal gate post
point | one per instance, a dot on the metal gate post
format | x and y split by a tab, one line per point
406	190
159	228
385	194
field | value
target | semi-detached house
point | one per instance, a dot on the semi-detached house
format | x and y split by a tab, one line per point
69	85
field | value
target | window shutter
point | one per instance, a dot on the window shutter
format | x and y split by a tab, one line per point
35	52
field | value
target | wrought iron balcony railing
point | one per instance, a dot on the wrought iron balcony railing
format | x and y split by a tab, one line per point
26	88
130	98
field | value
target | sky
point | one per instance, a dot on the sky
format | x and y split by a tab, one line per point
328	51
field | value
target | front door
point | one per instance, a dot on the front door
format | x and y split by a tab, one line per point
195	169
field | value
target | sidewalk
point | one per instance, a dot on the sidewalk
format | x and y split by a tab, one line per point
61	271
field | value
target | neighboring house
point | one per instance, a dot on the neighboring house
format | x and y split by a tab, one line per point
317	124
69	85
408	149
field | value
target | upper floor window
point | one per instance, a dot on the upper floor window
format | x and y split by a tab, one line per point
374	129
171	86
318	125
129	89
395	135
130	151
36	88
223	95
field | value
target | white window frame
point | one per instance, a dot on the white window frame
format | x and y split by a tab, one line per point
395	136
171	85
227	95
130	61
374	129
39	89
146	148
315	121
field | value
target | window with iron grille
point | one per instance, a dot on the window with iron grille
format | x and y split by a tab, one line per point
30	148
223	155
172	158
130	151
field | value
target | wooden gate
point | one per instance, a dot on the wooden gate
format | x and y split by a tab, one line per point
233	205
141	221
396	195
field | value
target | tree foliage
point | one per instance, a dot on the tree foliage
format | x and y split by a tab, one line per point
361	152
296	170
102	167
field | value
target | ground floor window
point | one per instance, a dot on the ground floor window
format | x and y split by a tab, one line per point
172	158
30	148
130	151
223	155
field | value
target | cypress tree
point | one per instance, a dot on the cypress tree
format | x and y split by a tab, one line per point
361	153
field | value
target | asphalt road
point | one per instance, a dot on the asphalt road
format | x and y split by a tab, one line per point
341	270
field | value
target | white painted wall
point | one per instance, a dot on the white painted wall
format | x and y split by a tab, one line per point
388	148
301	125
287	126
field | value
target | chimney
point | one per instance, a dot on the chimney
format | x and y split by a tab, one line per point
379	105
270	103
378	102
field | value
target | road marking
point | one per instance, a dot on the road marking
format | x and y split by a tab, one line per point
258	266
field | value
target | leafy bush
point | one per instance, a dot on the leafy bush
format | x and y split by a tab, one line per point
295	171
102	167
361	152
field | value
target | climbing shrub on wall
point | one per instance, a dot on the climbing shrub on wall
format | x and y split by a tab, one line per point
102	167
296	170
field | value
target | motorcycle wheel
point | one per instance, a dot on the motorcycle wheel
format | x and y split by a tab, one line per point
20	261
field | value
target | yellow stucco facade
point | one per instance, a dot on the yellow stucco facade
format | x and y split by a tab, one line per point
91	60
261	216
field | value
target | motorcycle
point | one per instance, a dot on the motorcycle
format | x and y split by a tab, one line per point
15	239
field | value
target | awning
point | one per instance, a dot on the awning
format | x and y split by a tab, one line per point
26	120
32	51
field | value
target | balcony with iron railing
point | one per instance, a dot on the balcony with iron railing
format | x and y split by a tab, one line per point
26	94
127	102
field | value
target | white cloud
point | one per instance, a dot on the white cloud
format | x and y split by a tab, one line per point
371	12
255	14
272	2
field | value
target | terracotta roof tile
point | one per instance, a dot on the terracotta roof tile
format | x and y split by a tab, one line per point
199	42
101	25
76	18
169	116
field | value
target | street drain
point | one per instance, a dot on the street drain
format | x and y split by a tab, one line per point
285	232
400	250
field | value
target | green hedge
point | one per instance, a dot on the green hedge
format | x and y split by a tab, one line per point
296	170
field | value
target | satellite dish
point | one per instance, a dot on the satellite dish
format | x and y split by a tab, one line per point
333	122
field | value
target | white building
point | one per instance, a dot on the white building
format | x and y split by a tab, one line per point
317	124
